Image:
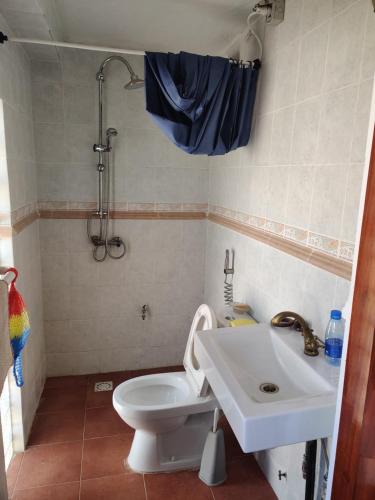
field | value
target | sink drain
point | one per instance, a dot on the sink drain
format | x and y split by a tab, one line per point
269	387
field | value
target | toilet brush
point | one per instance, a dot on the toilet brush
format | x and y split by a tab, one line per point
213	471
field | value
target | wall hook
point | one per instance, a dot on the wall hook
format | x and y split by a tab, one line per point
145	311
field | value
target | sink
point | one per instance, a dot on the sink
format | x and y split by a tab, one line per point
271	392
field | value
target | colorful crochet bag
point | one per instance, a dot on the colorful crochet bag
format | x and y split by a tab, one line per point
19	326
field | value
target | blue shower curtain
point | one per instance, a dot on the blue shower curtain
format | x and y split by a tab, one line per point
203	104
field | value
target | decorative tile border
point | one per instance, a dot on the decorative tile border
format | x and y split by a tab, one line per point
24	222
315	257
322	251
19	219
324	243
126	214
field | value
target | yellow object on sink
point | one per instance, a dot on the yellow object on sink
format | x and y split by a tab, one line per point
242	322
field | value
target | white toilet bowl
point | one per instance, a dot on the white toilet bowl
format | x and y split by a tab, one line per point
170	412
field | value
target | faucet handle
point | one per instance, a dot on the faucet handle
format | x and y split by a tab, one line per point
319	341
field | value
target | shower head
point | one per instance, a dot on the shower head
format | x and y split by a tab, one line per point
135	83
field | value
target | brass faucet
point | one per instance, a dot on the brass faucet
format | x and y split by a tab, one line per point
294	320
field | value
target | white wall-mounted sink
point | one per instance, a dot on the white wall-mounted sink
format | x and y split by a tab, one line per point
237	361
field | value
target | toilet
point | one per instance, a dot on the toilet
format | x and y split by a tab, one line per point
170	412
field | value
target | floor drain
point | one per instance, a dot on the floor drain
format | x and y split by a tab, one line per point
104	386
269	387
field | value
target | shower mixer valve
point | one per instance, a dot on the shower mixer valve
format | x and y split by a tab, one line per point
99	148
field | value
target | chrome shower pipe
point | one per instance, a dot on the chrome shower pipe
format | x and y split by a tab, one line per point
102	214
100	73
100	148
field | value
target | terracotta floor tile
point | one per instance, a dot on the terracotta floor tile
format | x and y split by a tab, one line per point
150	371
50	464
66	382
245	481
12	472
121	487
102	377
70	399
52	471
105	421
58	427
105	456
55	492
179	486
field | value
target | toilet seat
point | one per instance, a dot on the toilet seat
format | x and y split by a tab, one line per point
160	396
204	319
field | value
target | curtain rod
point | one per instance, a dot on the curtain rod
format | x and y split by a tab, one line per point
53	43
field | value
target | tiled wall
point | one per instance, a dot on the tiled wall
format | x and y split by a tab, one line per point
302	169
92	310
301	174
148	168
18	190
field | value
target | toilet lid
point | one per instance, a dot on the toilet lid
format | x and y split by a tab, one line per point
204	319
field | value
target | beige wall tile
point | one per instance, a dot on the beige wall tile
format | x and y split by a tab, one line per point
49	143
312	62
44	71
299	196
286	75
281	137
276	193
351	204
361	121
305	134
259	178
344	52
79	104
315	12
328	199
48	102
368	63
336	126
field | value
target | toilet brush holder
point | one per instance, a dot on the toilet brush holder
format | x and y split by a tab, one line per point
213	467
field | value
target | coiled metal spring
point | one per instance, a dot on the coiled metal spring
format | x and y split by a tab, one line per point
228	293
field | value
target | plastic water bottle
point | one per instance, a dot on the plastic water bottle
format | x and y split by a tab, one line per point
334	338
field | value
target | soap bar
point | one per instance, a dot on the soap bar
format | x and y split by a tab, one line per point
242	322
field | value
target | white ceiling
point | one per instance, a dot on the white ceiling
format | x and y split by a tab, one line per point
201	26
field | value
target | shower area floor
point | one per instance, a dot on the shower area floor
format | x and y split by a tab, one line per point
78	444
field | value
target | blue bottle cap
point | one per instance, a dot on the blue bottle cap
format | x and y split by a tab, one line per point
335	314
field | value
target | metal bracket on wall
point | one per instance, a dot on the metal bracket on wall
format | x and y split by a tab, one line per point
272	9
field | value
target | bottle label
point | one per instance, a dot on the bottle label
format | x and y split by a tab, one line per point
333	348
